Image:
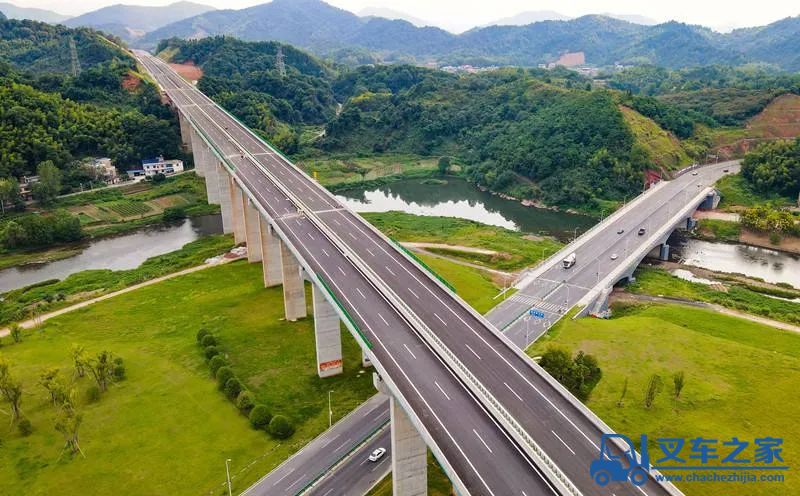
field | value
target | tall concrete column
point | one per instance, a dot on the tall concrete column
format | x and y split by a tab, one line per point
270	254
252	231
664	253
294	293
186	130
224	188
409	455
198	153
327	334
237	212
211	173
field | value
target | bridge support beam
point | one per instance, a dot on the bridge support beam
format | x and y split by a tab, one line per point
327	334
186	129
210	172
237	212
252	231
224	188
294	293
409	455
270	254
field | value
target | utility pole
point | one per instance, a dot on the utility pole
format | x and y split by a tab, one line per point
330	411
73	52
279	63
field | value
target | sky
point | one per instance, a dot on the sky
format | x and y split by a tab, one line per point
459	15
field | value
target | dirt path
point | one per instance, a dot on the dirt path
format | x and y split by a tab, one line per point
443	246
27	324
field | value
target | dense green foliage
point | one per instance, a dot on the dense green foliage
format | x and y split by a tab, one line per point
579	374
678	121
767	219
48	114
246	79
727	95
505	125
31	231
774	167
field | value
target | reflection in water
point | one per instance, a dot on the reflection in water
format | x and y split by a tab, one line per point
118	253
460	199
770	265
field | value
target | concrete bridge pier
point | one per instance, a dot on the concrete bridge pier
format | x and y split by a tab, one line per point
198	152
210	172
327	334
663	252
409	455
270	254
237	212
224	188
294	292
252	230
186	129
409	452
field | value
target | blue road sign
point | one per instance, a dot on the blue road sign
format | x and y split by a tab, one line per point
536	313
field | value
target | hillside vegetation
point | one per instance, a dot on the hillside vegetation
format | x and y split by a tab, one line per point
47	113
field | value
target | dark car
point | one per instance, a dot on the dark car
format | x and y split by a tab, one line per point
642	231
621	231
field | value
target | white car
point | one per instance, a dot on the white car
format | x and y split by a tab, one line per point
613	256
377	454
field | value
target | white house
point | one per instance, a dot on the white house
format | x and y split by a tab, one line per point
158	165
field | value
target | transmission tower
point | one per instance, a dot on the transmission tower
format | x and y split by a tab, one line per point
279	62
73	52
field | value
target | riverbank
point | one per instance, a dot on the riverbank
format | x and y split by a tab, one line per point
114	211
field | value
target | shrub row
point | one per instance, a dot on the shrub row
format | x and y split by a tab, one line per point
278	426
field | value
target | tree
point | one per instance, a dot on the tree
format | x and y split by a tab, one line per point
260	417
621	400
118	369
9	193
215	363
653	388
102	369
79	359
223	374
678	381
203	332
11	390
443	165
50	380
68	421
245	402
208	340
280	427
210	352
25	427
49	185
232	388
15	330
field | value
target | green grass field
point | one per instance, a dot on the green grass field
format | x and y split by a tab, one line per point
127	208
520	252
166	429
338	172
720	230
659	282
737	191
741	380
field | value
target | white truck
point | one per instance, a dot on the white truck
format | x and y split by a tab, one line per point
569	261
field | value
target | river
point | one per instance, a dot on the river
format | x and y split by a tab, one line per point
126	251
458	198
770	265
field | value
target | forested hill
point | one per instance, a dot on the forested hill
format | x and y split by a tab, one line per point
346	37
246	79
49	114
562	144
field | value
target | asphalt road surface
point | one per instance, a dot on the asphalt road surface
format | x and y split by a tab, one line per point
325	451
482	455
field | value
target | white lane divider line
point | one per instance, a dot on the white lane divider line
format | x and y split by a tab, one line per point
310	236
390	271
341	270
442	390
413	293
409	351
440	319
284	476
484	442
473	351
562	441
326	252
383	319
361	293
515	393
